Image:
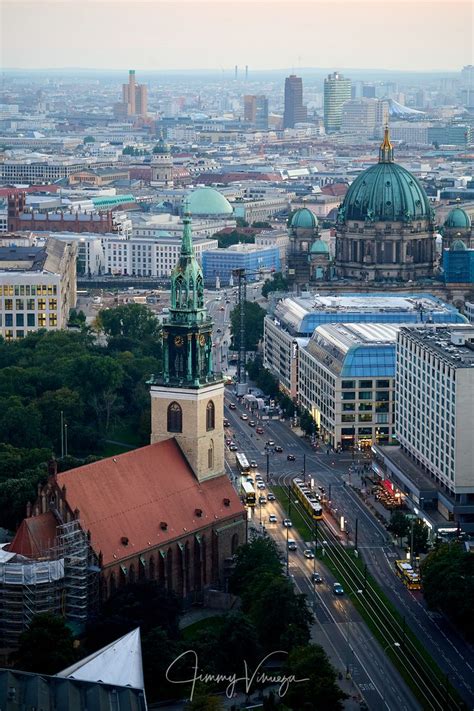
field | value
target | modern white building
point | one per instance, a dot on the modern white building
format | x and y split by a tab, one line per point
157	226
469	311
37	287
346	381
39	169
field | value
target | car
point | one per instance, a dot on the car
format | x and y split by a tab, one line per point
272	518
260	485
291	457
316	578
271	497
308	553
218	330
270	443
278	448
259	430
292	545
227	301
338	589
226	423
253	464
287	523
232	406
262	500
244	417
228	441
250	479
251	423
233	447
222	308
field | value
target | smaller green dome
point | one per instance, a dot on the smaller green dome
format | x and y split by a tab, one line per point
304	219
208	201
458	219
319	247
458	246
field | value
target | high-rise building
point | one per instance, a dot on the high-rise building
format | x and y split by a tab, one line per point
256	110
294	112
134	99
337	90
363	116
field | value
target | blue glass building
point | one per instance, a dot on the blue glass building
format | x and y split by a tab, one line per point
221	262
458	264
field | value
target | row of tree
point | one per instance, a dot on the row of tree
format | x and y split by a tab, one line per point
413	530
91	386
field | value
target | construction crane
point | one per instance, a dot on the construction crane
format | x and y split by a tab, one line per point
242	275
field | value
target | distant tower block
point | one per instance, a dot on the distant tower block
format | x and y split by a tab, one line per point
236	71
246	72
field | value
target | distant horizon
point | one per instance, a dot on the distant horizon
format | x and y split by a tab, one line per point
156	35
231	69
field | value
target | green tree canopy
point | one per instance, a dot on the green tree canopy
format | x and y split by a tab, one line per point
399	524
134	321
46	647
320	691
253	316
276	283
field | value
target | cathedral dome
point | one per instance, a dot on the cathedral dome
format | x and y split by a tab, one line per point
385	192
208	201
319	247
304	219
459	219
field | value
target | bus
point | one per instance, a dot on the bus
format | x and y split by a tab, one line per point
308	499
247	492
242	463
407	575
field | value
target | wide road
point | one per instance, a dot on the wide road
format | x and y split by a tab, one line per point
454	656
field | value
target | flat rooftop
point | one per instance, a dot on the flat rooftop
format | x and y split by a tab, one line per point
454	344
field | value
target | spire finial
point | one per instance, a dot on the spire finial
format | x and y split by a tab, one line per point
386	148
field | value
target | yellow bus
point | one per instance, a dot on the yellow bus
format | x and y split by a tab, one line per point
407	575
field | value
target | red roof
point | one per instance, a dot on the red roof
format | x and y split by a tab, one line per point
35	536
336	189
129	495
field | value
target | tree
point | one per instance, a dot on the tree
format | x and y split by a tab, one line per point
204	702
235	237
262	225
420	537
134	321
448	584
253	559
399	525
159	651
253	318
320	691
46	647
240	222
308	423
89	139
276	283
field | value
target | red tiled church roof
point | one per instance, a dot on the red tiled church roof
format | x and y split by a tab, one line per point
128	496
35	536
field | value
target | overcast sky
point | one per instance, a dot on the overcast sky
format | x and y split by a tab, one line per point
158	34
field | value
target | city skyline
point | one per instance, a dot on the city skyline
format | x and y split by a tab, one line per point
208	35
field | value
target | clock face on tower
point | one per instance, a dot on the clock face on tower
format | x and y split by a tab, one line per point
202	339
178	341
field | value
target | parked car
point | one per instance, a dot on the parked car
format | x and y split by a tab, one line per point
287	522
292	545
308	553
291	457
338	589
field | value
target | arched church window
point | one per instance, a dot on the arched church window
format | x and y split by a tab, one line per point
210	416
210	455
175	418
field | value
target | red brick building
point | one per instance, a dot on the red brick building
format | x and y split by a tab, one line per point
21	218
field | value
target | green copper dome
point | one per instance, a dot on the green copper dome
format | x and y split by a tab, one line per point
458	246
207	201
304	219
319	247
385	192
459	219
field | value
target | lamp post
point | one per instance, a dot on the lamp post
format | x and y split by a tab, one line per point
395	645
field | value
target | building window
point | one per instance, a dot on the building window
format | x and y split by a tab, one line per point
210	455
210	416
8	304
42	304
42	320
53	319
175	418
30	320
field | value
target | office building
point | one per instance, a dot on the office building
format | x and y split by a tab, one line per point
37	287
256	111
346	381
295	319
134	99
253	258
434	415
385	226
337	90
363	116
294	111
454	135
39	169
458	264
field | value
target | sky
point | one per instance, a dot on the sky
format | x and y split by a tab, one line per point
419	35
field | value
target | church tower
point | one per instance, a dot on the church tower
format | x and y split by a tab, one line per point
187	401
162	165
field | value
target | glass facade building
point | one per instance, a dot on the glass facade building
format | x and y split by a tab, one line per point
221	262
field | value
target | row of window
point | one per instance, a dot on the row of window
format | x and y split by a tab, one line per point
28	289
29	304
364	384
175	417
31	320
